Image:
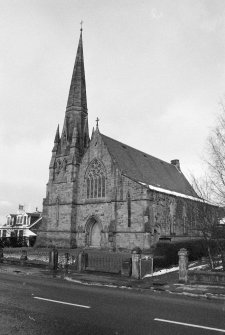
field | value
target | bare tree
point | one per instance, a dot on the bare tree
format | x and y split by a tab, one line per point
208	216
216	159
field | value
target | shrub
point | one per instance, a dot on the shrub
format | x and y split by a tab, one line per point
166	254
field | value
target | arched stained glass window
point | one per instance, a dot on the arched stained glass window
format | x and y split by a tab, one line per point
96	180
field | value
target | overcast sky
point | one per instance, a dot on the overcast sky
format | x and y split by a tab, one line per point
155	73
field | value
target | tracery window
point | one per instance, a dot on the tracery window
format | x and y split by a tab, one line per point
96	180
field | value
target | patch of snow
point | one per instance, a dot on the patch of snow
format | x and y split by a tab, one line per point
174	269
191	294
177	194
198	267
95	283
89	284
162	272
219	267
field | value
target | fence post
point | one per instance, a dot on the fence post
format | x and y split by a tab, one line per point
67	256
53	259
136	258
183	265
23	257
81	261
1	255
223	259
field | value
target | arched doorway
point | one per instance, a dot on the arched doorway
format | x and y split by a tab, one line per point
95	236
93	231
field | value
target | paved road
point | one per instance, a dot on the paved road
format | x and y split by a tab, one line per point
30	305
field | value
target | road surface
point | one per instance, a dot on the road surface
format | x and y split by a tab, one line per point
31	305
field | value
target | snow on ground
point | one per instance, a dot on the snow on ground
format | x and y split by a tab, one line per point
176	268
162	272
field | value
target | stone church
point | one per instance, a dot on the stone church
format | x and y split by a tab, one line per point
105	194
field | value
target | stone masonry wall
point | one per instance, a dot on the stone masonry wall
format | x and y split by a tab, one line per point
111	211
58	208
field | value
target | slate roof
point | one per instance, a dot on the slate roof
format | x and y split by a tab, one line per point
144	168
77	94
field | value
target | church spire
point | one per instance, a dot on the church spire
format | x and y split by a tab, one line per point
77	94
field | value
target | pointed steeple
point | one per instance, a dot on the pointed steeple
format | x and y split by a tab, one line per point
57	136
76	116
77	94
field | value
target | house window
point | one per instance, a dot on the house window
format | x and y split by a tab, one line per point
96	180
24	220
21	233
8	220
19	219
4	233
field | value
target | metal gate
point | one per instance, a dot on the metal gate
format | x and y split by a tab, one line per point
105	261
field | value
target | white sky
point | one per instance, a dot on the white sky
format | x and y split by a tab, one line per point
155	73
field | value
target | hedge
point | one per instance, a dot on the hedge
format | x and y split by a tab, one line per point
166	254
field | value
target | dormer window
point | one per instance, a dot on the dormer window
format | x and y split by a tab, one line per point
19	219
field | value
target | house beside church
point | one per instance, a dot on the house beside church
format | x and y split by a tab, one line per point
20	228
105	194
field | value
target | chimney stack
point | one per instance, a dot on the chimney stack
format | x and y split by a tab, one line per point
176	163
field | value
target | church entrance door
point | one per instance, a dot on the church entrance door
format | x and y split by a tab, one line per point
95	235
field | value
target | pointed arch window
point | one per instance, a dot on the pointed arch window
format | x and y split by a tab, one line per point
128	209
96	180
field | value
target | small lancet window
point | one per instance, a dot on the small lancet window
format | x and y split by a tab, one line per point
96	180
92	188
128	209
88	187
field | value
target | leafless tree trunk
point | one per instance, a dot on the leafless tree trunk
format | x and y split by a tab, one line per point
208	219
216	159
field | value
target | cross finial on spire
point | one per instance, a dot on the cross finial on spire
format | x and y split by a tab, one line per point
97	120
81	25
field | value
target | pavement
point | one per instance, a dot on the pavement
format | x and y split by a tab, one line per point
167	282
